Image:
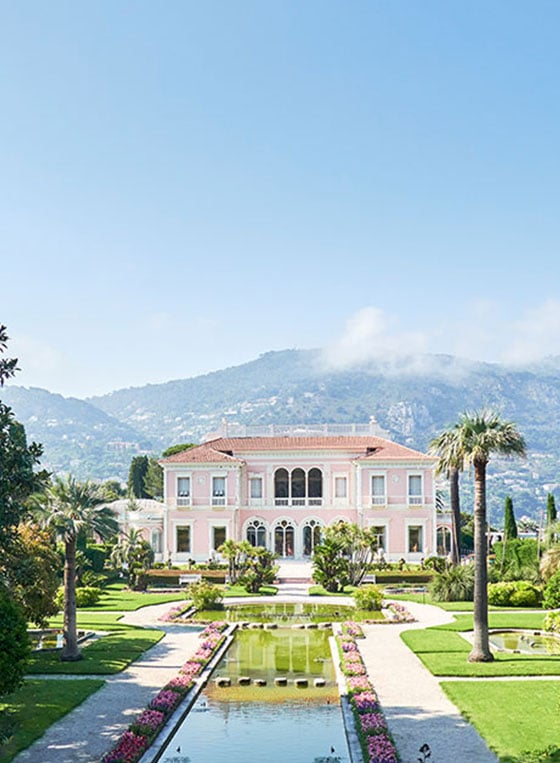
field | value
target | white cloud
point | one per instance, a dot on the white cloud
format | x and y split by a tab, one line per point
370	335
535	334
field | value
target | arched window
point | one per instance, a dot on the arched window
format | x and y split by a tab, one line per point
315	486
256	533
281	487
298	487
156	541
443	541
284	538
311	536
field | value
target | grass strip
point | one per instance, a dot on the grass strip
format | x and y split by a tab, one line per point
109	654
514	717
36	705
444	652
129	601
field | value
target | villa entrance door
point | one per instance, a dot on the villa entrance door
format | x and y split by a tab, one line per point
284	539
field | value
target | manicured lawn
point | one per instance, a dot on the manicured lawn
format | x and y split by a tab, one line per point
238	590
116	598
318	590
444	651
512	716
37	705
450	606
91	621
109	654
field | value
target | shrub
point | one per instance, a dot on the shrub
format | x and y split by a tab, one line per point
205	595
86	596
551	598
552	622
516	593
368	597
14	644
454	584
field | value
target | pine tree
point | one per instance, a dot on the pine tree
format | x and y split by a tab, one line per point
510	525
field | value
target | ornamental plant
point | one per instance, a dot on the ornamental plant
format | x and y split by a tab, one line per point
165	701
148	724
129	749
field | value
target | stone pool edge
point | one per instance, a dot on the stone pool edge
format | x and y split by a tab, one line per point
160	743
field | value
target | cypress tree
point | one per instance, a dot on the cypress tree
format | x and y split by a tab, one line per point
510	525
136	474
550	518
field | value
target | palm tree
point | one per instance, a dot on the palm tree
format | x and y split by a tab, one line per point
68	507
134	554
472	441
450	464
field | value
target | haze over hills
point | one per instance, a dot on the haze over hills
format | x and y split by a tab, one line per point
412	398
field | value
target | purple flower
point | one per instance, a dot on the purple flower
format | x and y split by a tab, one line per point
381	749
366	702
166	701
128	749
373	723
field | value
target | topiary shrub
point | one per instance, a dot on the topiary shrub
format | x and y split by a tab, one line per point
454	584
551	598
368	597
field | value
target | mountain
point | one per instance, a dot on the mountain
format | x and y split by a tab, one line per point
412	399
76	436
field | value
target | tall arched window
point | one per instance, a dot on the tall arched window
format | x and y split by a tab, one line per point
443	541
281	487
311	536
284	538
315	487
256	533
298	487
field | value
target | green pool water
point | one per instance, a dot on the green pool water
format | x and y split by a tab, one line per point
526	642
287	613
251	724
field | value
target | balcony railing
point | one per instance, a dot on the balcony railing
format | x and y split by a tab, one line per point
298	501
218	500
184	500
378	500
415	500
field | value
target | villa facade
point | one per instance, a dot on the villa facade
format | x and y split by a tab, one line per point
279	492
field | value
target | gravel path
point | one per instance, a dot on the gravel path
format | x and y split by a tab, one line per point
417	710
87	732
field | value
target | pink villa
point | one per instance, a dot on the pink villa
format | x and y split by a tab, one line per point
279	491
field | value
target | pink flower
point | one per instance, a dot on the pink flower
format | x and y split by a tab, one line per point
381	750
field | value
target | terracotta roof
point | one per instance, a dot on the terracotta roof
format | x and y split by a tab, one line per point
201	454
362	448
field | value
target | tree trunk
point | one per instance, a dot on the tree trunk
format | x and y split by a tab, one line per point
481	648
455	516
70	650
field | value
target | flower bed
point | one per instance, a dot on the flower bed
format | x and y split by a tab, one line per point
142	732
371	726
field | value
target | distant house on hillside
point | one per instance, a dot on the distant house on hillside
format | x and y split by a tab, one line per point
280	491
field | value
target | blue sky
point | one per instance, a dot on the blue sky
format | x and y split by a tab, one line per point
186	185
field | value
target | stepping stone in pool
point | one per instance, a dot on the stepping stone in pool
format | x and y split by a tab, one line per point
318	682
301	683
325	626
244	680
280	681
270	626
298	626
223	682
309	626
255	626
260	682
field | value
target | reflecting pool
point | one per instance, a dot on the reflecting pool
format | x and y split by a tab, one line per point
260	721
286	613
